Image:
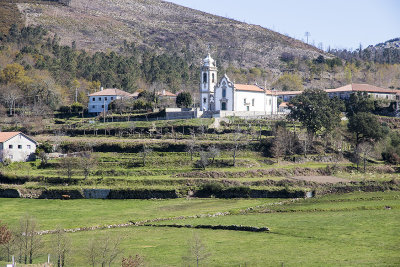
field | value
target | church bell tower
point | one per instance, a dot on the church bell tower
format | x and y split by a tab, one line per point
208	81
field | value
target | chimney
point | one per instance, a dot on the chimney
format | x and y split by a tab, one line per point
101	88
163	92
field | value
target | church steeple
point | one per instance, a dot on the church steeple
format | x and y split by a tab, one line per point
208	81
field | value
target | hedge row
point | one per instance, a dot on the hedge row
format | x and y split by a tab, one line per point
214	227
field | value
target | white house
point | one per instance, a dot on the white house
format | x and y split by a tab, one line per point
227	96
99	101
16	146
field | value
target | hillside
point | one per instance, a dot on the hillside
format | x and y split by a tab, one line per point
98	25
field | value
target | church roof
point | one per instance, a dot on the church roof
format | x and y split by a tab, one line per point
248	87
111	91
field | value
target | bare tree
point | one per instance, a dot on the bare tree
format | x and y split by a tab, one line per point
29	241
92	252
10	95
279	143
191	146
68	165
87	162
213	152
197	251
104	250
203	162
144	154
236	144
61	246
363	151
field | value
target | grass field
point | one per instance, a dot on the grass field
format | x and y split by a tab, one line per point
358	229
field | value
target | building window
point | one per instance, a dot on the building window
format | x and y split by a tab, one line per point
213	78
102	106
99	98
252	102
270	102
223	106
223	92
112	98
204	100
204	77
10	146
28	146
19	146
11	156
93	106
248	108
94	99
244	101
105	99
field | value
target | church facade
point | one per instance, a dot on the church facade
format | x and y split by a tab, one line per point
227	96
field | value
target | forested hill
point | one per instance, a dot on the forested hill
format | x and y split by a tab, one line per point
98	25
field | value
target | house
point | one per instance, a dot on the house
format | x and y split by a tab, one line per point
16	146
99	101
344	92
164	94
225	95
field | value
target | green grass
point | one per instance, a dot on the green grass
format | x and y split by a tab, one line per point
86	212
332	230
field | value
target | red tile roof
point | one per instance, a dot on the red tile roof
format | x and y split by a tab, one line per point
110	92
362	87
289	92
165	93
248	87
4	136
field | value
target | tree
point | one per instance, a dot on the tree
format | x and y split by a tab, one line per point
104	250
87	162
144	154
289	82
61	245
12	73
236	144
359	102
29	241
197	251
191	146
184	100
279	143
316	111
68	164
365	128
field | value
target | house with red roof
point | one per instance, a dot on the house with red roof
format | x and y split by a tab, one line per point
16	146
99	101
344	92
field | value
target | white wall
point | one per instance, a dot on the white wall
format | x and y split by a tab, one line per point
96	103
255	101
229	97
20	150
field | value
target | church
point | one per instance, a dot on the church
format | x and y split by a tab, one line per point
233	99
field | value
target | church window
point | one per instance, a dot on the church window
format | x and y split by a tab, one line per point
204	100
223	106
204	77
213	78
223	92
252	102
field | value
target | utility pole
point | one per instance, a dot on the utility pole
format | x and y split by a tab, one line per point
307	34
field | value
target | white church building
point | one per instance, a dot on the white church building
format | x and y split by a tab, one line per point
230	99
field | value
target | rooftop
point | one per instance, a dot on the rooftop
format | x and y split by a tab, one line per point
110	92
